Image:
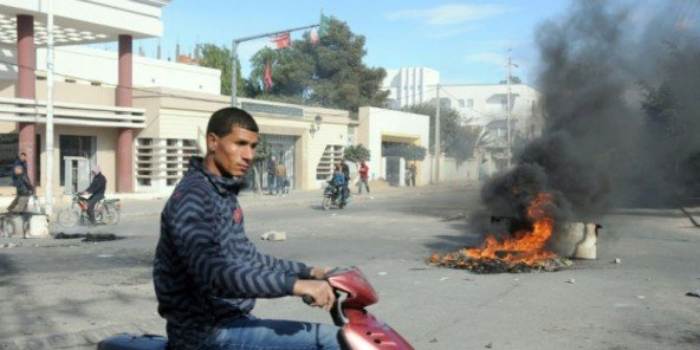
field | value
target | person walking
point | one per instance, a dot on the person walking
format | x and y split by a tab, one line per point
364	177
271	170
281	177
24	190
412	174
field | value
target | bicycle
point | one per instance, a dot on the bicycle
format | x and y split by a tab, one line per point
107	211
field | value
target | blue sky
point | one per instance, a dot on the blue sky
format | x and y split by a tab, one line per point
467	41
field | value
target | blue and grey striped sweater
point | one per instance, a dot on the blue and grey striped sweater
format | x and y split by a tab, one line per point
206	270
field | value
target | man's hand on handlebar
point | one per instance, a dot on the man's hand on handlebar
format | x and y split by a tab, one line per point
319	273
320	291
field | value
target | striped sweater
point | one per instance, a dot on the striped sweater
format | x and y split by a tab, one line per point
206	270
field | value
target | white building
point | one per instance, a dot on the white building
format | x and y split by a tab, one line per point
481	104
410	85
379	126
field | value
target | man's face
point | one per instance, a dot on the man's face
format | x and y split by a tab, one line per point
23	157
233	153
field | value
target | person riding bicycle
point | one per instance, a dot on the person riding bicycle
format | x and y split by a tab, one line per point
97	191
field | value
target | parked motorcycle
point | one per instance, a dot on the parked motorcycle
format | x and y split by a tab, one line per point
107	211
332	197
360	329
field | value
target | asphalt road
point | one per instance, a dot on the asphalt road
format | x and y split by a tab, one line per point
96	289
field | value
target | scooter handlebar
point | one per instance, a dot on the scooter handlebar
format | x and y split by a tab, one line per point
336	314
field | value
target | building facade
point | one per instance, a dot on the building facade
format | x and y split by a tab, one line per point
481	104
410	86
140	119
378	126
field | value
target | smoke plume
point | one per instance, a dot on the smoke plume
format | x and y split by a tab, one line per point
621	99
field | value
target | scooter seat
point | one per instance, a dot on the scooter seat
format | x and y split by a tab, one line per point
134	342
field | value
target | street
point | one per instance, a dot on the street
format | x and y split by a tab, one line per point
66	293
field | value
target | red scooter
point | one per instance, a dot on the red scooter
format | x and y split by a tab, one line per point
360	329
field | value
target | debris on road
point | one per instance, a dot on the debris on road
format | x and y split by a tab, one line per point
382	273
489	345
8	245
454	217
105	256
87	237
641	297
617	261
571	281
274	236
434	340
694	293
444	279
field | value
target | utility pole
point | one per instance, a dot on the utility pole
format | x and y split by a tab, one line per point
48	186
436	161
234	53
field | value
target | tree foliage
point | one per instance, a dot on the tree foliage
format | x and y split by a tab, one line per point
456	141
407	151
330	73
213	56
356	154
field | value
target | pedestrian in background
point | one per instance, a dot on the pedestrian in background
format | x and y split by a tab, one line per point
412	175
271	171
364	177
24	191
281	177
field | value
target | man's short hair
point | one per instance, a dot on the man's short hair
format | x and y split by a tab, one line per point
23	154
221	123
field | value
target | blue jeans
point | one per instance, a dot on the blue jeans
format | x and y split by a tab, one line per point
250	333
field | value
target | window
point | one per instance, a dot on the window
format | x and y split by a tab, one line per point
461	103
76	146
470	103
9	148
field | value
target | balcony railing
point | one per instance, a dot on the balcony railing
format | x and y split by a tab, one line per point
33	111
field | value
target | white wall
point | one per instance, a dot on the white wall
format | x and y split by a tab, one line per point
410	85
376	122
101	66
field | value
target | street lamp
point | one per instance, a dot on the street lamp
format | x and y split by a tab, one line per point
316	124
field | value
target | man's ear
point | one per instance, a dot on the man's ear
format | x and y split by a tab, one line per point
212	142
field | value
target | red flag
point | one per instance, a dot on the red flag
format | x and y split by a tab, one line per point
267	77
313	37
282	40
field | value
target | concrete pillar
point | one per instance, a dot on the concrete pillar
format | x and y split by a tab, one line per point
26	60
125	139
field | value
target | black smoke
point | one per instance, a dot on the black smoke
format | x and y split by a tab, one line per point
620	91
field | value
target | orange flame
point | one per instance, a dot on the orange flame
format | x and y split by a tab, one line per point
526	247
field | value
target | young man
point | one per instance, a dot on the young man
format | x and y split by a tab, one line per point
96	190
208	274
